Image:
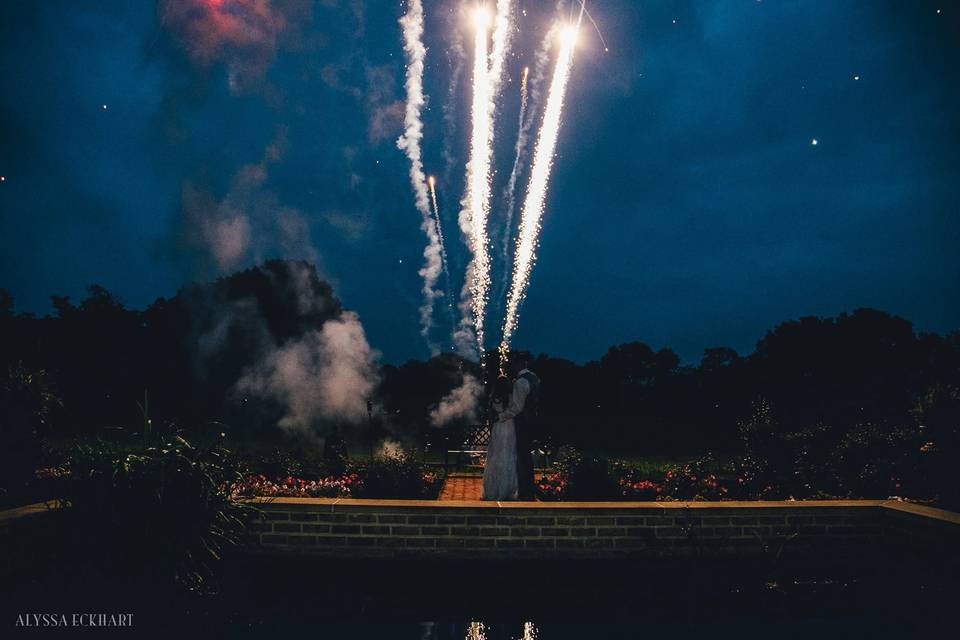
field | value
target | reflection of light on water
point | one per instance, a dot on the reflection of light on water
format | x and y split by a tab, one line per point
476	631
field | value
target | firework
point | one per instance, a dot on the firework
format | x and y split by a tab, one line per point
532	211
473	219
409	142
530	94
432	182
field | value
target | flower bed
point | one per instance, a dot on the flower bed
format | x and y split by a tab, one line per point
346	486
252	486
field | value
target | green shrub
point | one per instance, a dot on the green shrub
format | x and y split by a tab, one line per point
26	402
161	510
580	476
399	476
875	459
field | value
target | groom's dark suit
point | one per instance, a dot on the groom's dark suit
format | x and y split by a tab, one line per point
523	408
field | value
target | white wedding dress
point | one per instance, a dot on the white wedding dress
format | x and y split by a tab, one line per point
500	472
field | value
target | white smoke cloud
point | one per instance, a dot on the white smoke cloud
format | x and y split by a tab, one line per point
249	222
391	449
326	375
459	404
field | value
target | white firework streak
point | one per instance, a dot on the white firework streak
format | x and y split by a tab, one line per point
529	105
473	218
486	85
409	142
532	212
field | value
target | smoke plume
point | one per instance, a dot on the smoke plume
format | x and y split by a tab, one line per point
244	35
248	222
326	375
459	404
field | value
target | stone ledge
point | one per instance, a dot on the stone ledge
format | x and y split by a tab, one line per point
350	527
475	529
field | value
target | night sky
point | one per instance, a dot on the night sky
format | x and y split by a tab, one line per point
726	166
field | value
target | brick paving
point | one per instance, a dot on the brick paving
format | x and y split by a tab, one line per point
462	487
465	486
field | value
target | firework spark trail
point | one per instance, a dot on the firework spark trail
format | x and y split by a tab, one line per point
409	142
473	217
432	182
533	95
533	204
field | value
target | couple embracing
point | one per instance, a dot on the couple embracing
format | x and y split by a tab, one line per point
508	474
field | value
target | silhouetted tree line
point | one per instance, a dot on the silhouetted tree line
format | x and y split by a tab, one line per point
180	358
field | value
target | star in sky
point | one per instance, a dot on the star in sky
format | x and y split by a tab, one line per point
814	142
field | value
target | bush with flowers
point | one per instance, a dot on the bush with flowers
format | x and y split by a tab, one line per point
383	477
695	480
551	486
260	486
398	474
578	476
640	490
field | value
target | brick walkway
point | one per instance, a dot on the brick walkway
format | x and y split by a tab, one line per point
465	486
462	487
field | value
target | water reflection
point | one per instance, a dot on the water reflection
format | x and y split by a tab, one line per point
478	631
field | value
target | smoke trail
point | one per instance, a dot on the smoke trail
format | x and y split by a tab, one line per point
523	128
476	203
532	210
501	46
412	25
432	181
458	56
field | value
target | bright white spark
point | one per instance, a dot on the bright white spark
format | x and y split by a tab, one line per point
487	79
533	87
532	211
409	142
473	218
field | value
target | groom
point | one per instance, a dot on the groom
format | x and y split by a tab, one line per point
523	408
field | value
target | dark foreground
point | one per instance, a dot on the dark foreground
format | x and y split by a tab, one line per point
888	597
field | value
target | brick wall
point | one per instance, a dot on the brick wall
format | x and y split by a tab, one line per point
398	527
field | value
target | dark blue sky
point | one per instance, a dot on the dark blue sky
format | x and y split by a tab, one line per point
688	206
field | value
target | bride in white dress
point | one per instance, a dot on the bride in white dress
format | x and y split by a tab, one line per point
500	472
